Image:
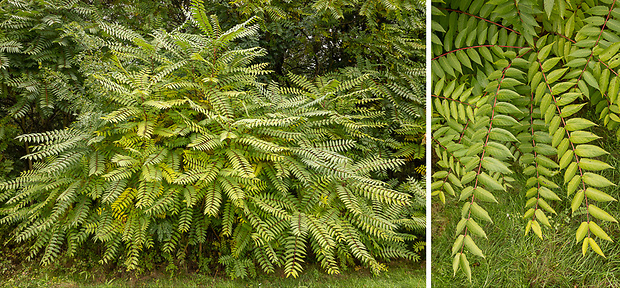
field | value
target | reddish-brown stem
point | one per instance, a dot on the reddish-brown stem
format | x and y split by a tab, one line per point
471	47
463	133
478	17
563	36
612	70
486	141
568	136
535	154
518	11
597	40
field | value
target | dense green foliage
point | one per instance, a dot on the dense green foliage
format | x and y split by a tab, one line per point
177	137
509	94
41	85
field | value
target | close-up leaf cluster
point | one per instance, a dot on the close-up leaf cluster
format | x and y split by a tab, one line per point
524	88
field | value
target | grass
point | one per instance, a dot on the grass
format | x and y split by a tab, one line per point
515	260
400	274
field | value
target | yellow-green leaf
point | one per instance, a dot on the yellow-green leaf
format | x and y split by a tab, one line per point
548	194
576	202
569	110
502	135
593	165
566	159
472	247
536	228
455	263
544	52
484	195
570	172
573	184
455	180
600	213
595	247
465	266
480	212
590	79
489	182
540	215
586	150
475	228
555	75
598	231
543	204
460	226
609	52
596	180
584	245
466	192
458	244
561	87
581	231
550	63
494	165
598	195
528	227
530	212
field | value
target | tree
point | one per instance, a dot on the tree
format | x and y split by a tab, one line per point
510	80
39	78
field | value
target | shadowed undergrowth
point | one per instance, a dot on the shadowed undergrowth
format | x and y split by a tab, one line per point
400	274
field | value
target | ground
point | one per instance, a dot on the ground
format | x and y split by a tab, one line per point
400	274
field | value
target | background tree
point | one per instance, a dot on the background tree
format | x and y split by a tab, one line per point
40	82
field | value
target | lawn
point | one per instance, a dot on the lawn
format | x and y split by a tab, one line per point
515	260
400	274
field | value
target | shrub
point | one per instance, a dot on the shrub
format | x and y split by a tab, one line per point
189	145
